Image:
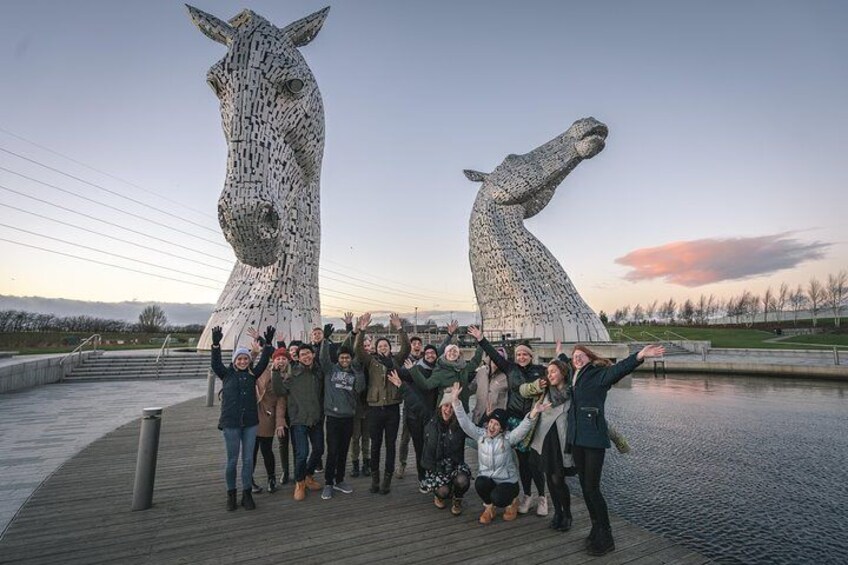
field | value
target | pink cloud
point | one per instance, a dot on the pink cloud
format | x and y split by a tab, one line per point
705	261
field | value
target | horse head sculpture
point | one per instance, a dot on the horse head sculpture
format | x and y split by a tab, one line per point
521	288
269	210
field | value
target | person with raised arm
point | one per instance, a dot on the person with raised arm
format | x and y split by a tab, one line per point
443	452
588	435
451	368
383	397
342	386
239	418
497	475
522	371
550	438
303	386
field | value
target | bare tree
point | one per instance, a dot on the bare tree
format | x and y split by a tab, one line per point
638	314
651	310
780	300
768	303
701	309
835	294
687	311
815	295
668	310
797	300
152	319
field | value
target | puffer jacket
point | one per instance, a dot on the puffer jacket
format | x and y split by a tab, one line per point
442	441
238	393
446	373
516	375
495	455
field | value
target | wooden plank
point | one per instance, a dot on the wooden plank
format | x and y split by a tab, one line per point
82	515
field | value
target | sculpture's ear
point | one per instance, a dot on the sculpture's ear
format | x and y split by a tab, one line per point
475	176
212	27
304	30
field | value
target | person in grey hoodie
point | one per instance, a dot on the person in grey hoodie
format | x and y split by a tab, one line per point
342	386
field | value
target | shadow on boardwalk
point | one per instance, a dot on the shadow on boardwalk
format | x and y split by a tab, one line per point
82	515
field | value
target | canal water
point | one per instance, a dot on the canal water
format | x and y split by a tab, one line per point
744	470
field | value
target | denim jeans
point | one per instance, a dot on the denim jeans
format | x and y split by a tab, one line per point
304	460
244	439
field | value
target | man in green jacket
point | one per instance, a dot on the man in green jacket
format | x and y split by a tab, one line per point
303	387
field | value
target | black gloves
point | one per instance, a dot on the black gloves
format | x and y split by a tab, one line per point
269	334
217	336
328	331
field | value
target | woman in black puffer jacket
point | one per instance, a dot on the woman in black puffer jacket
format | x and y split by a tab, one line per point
443	458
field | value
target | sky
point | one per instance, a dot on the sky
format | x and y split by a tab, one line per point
724	168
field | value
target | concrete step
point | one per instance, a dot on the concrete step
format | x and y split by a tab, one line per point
141	367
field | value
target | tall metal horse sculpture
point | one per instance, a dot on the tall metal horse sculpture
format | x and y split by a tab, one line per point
269	210
521	287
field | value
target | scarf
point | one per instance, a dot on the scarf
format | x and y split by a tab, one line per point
557	396
388	361
457	365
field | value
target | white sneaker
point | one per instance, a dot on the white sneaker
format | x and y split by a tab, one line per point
542	506
525	503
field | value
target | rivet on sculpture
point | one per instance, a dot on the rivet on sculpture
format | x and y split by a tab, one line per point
269	210
521	288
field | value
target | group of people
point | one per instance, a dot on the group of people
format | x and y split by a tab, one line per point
531	424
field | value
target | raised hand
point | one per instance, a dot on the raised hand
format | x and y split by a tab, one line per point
475	332
538	408
269	334
328	330
363	321
453	326
558	351
252	333
394	319
348	318
256	345
456	388
217	336
409	363
542	383
394	378
651	351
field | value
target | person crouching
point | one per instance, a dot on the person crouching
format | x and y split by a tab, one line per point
497	479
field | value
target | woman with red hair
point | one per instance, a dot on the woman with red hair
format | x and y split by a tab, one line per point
588	434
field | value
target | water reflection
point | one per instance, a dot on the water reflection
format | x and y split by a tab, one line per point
746	469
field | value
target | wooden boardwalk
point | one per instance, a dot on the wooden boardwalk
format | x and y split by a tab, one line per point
82	514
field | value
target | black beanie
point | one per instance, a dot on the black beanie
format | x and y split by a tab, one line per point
500	415
429	346
345	349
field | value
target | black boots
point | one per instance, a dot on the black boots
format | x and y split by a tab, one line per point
355	472
247	500
593	533
561	522
366	467
603	543
272	483
375	482
284	460
386	486
231	500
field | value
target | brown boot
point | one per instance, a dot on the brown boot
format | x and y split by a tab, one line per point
488	514
456	507
440	504
311	483
300	490
511	512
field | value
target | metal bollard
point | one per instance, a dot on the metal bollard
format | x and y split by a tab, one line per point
145	467
210	388
835	355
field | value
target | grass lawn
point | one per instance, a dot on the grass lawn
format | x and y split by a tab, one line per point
727	337
27	343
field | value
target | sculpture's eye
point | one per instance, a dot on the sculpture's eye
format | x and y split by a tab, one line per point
292	85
